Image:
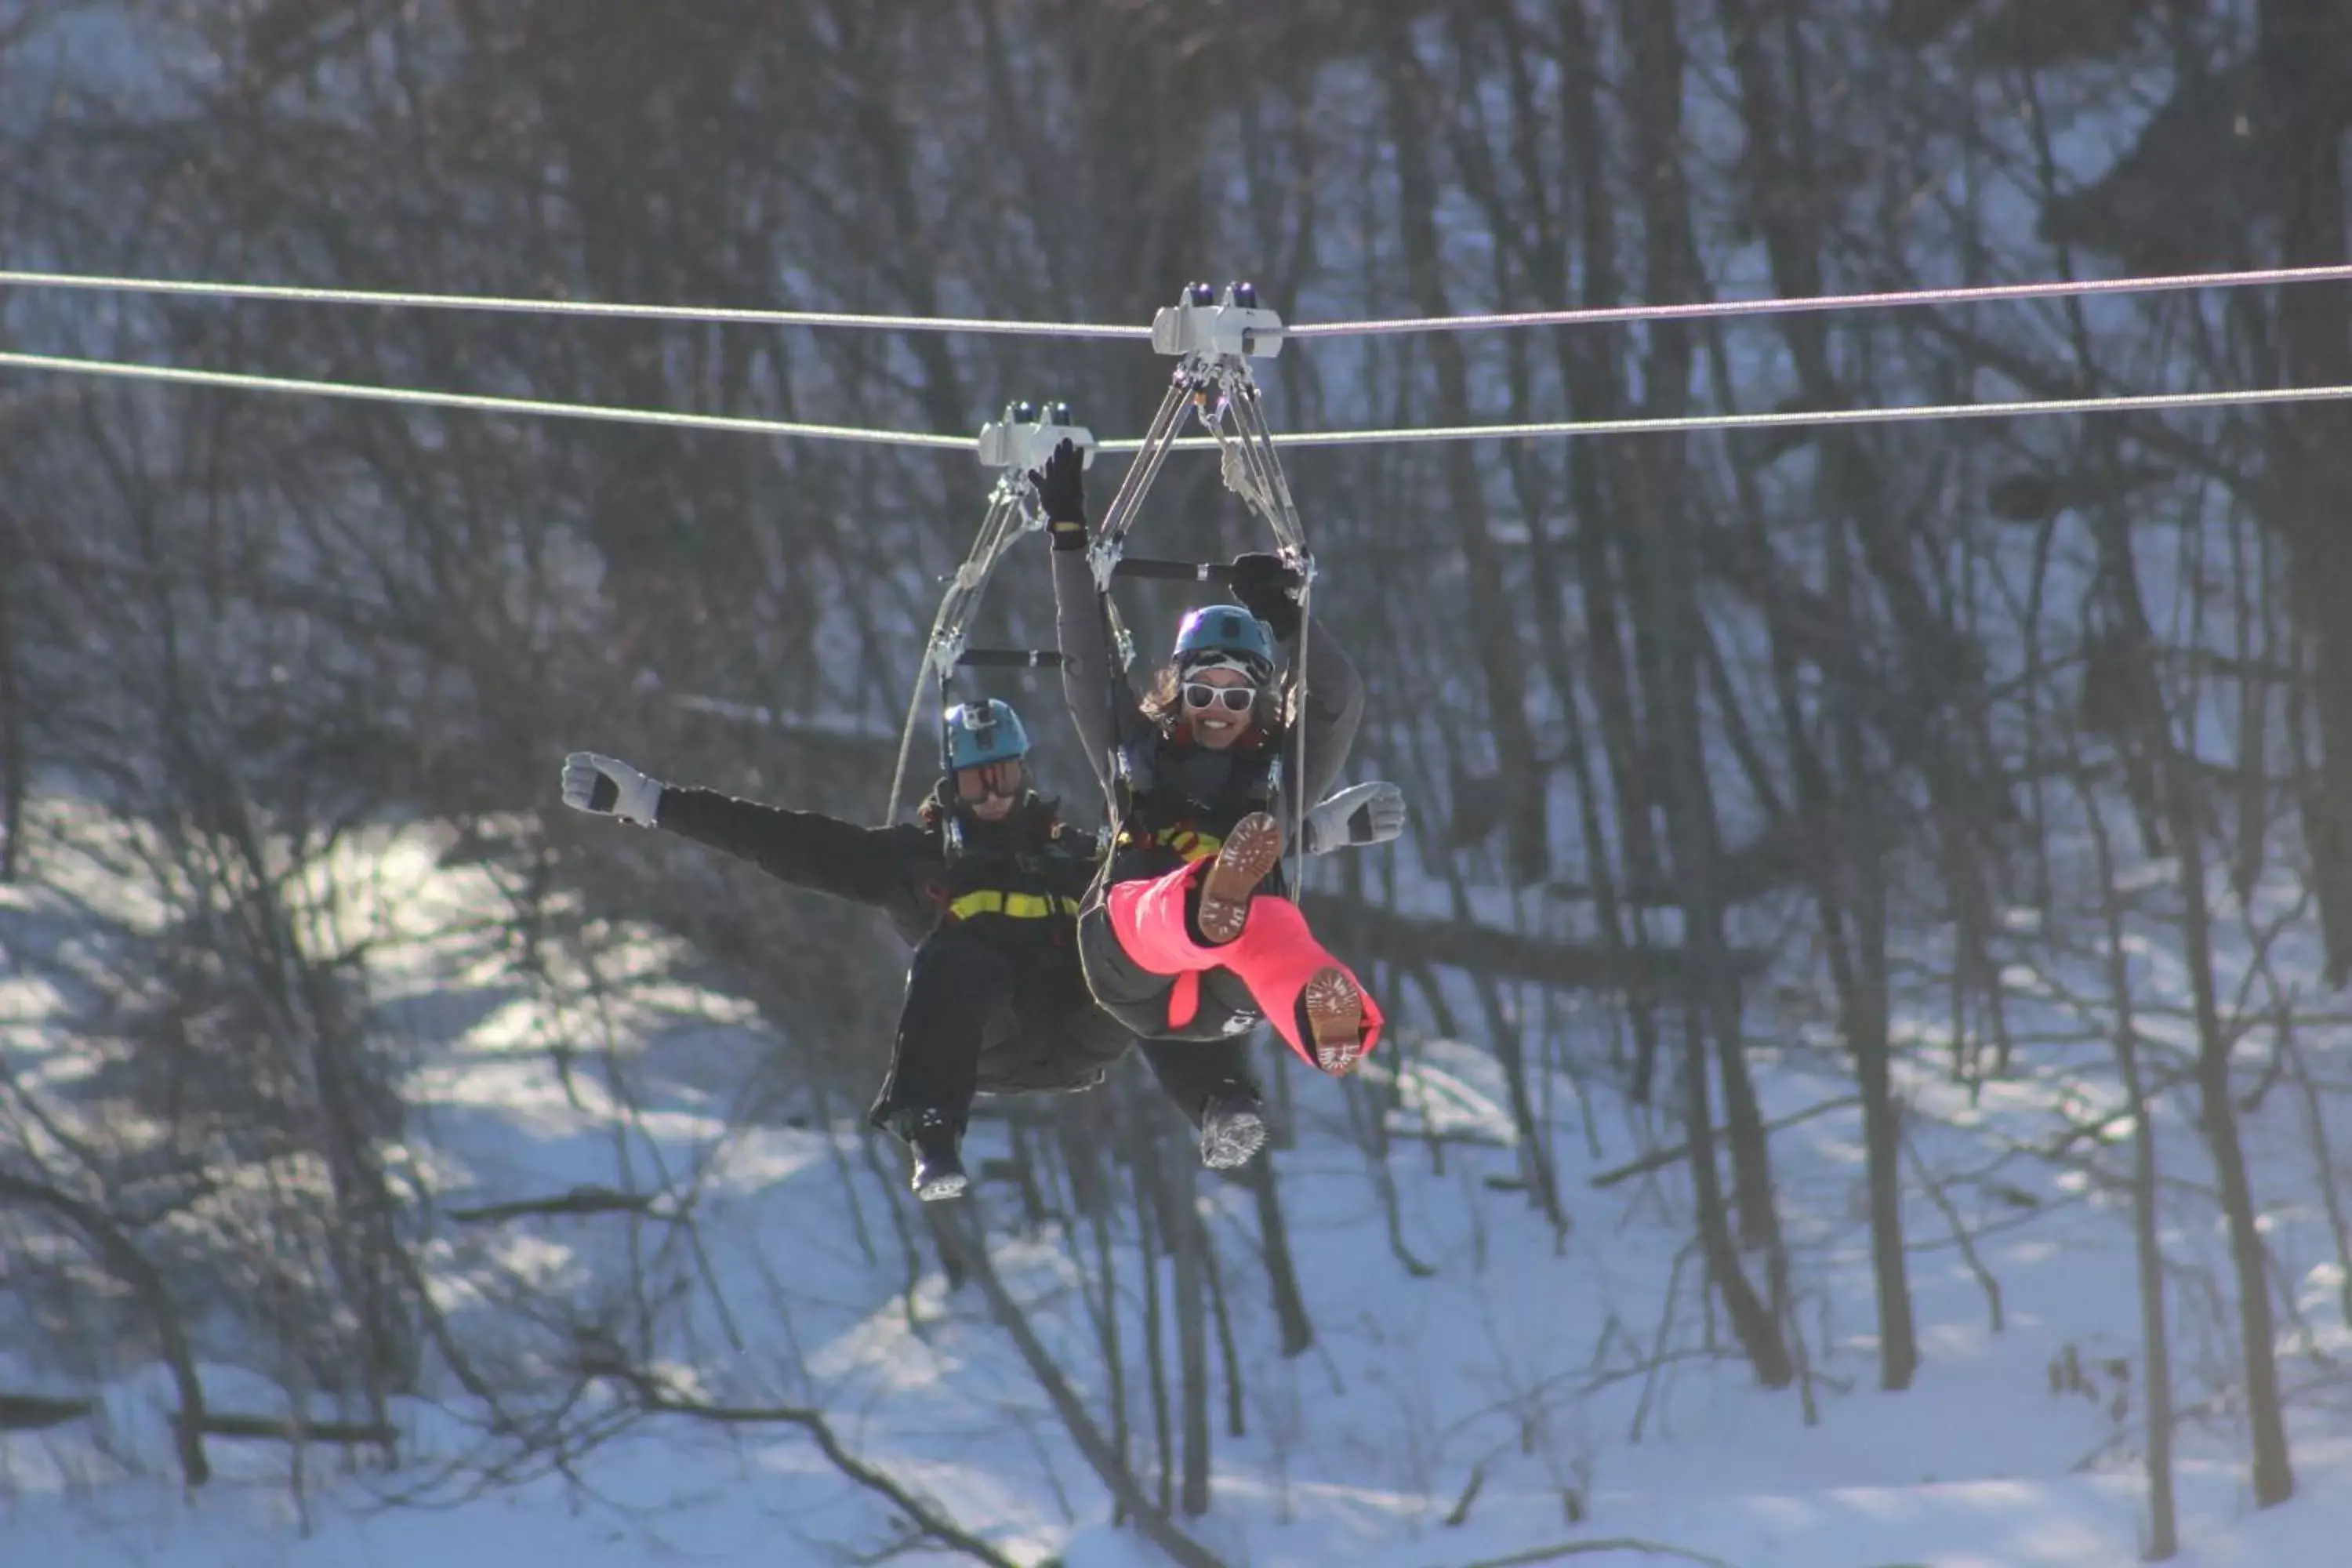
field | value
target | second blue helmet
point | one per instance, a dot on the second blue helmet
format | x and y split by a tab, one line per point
983	733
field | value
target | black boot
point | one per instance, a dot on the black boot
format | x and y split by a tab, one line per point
1233	1127
939	1170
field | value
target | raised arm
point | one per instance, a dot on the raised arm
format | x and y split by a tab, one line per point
1102	705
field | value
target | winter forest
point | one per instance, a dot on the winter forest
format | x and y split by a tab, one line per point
1868	1077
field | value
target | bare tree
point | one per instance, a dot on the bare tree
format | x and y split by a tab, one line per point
2155	1349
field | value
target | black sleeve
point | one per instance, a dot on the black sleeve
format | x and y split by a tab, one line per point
865	864
1077	857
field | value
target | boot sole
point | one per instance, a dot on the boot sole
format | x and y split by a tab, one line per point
1335	1017
1251	850
952	1186
1230	1142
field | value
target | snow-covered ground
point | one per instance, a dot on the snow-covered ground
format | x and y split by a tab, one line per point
1510	1400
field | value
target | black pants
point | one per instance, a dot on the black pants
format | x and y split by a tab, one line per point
1193	1072
961	992
957	987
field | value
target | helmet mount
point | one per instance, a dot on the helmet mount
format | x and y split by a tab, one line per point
979	733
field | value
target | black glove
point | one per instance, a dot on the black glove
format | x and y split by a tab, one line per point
1062	489
1268	589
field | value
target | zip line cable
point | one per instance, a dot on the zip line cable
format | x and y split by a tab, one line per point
298	295
1686	424
1970	294
1692	423
488	404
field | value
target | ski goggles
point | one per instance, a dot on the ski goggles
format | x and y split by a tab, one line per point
989	779
1232	698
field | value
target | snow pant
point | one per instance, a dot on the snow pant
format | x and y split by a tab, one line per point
973	1022
957	987
1148	920
1193	1072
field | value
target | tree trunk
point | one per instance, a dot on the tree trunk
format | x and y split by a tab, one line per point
1114	1343
2274	1473
1672	569
1758	1329
1677	622
1151	1242
1281	1273
1585	367
2156	1348
964	1238
2300	57
1228	1345
1187	1243
1855	915
14	764
1591	367
1863	850
1501	659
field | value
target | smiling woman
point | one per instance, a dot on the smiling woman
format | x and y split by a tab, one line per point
1188	931
1220	682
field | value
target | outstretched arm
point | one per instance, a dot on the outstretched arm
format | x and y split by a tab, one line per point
1361	814
824	854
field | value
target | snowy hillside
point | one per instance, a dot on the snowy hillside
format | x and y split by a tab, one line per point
1500	1400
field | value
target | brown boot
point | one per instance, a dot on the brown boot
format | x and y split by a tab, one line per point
1335	1018
1251	850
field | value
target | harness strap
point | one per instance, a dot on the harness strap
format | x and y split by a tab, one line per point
1014	906
1187	842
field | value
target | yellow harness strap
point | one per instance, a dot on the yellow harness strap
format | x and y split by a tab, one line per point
1184	841
1017	906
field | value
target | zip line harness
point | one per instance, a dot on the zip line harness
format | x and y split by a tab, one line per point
1021	442
1213	340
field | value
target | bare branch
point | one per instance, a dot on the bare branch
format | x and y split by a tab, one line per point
130	1266
653	1396
38	1412
581	1200
1659	1159
1592	1548
1157	1528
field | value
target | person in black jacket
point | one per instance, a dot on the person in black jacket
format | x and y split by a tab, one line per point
985	887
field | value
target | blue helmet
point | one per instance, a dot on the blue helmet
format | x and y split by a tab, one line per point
1229	631
983	733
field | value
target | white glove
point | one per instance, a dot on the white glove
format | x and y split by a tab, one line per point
608	786
1359	815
